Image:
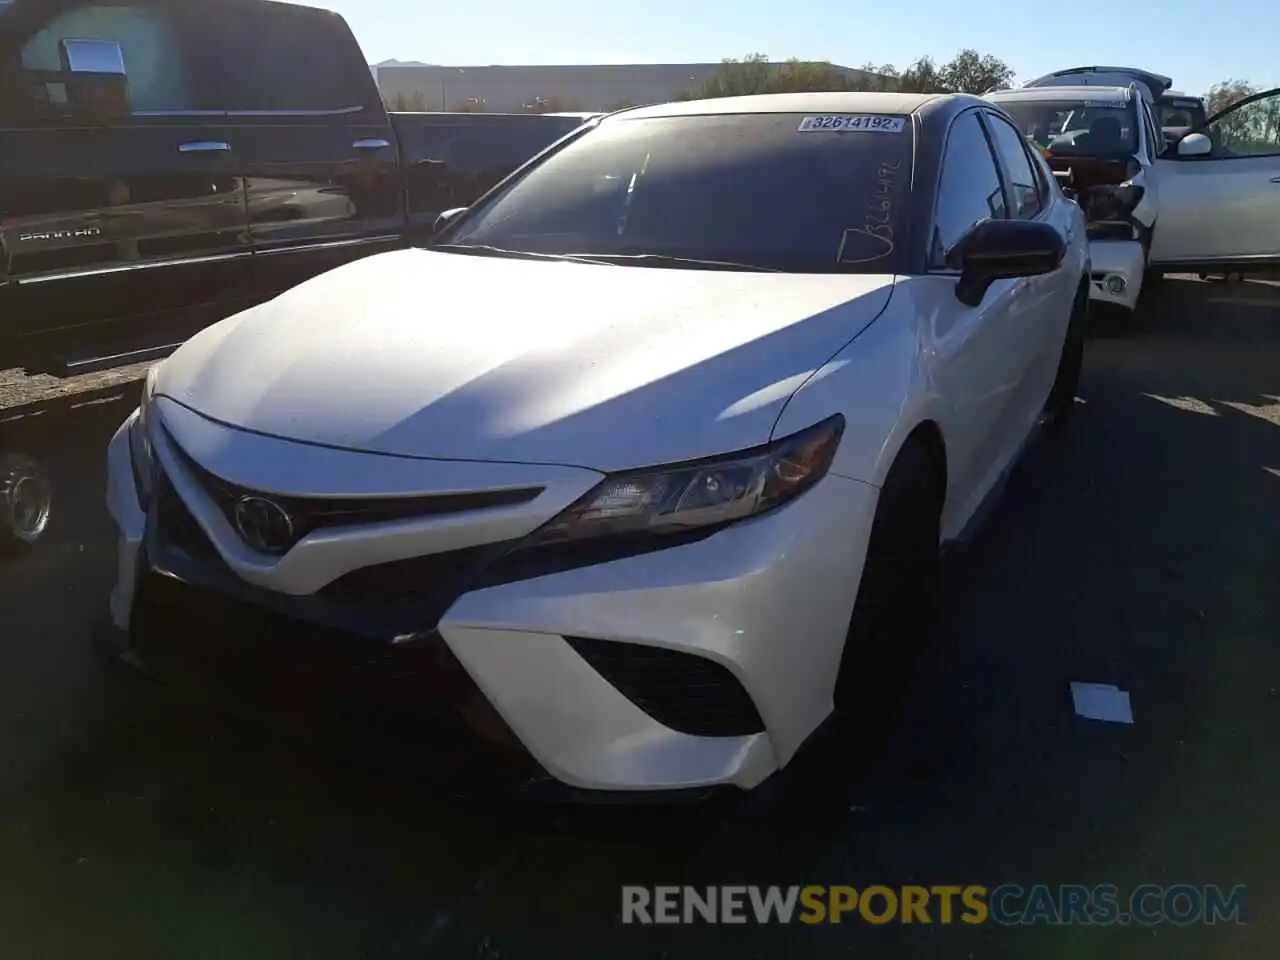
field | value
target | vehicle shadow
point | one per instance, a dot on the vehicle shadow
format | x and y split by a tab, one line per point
1139	548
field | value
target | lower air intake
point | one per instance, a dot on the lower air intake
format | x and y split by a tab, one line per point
688	693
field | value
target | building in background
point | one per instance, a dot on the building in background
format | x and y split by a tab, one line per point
514	89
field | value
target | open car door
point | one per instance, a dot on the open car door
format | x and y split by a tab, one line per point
1220	191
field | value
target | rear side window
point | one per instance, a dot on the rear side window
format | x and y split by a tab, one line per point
1020	179
969	190
284	58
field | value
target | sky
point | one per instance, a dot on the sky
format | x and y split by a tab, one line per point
1194	43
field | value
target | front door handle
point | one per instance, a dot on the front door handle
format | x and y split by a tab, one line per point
205	146
1275	179
374	143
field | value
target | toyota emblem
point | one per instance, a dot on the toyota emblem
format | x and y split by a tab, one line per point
264	524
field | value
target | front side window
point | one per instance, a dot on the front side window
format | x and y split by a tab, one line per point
1020	179
969	189
751	190
161	76
292	59
1092	128
1251	129
1155	139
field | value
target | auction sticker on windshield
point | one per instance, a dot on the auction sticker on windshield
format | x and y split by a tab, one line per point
859	122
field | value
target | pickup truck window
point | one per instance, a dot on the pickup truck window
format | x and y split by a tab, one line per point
161	76
293	59
461	160
749	190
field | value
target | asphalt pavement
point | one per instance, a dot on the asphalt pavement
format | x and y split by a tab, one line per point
1140	550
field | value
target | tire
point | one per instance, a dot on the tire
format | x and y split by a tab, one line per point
26	501
897	604
1110	321
1062	395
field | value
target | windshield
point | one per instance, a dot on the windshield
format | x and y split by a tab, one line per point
1181	113
752	191
1094	128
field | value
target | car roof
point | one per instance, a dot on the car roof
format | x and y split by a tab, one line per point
817	103
1109	94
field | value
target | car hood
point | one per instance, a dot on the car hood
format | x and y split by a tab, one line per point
429	354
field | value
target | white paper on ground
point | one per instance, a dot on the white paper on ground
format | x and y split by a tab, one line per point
1101	701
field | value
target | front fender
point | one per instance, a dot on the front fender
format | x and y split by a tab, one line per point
877	382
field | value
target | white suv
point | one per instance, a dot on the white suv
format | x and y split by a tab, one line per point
1207	202
1102	143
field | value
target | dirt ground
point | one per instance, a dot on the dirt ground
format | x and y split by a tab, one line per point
1142	551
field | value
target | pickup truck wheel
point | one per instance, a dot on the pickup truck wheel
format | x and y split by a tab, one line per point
26	501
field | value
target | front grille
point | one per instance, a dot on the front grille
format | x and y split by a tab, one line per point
178	528
316	513
688	693
436	576
428	584
322	682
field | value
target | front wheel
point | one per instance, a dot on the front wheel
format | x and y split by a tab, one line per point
1062	396
26	501
897	601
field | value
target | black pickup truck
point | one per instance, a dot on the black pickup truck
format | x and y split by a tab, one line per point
166	163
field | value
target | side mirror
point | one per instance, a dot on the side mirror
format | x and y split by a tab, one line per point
97	84
1195	145
998	249
444	219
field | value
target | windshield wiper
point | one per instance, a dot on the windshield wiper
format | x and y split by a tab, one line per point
491	251
662	260
652	259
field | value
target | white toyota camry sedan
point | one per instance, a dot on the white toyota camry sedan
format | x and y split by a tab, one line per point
614	484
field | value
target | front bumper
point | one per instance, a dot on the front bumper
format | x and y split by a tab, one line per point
1118	267
635	674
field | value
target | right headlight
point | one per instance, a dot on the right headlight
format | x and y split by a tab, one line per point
708	493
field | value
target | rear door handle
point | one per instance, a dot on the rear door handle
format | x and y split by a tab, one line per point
1275	179
375	143
205	146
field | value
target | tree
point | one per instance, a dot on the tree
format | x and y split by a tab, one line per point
969	72
923	76
1224	94
881	78
808	76
754	73
736	78
412	102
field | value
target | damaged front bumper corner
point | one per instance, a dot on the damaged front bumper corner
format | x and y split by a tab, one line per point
1117	271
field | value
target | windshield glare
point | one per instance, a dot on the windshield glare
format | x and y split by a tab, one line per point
740	189
1078	127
